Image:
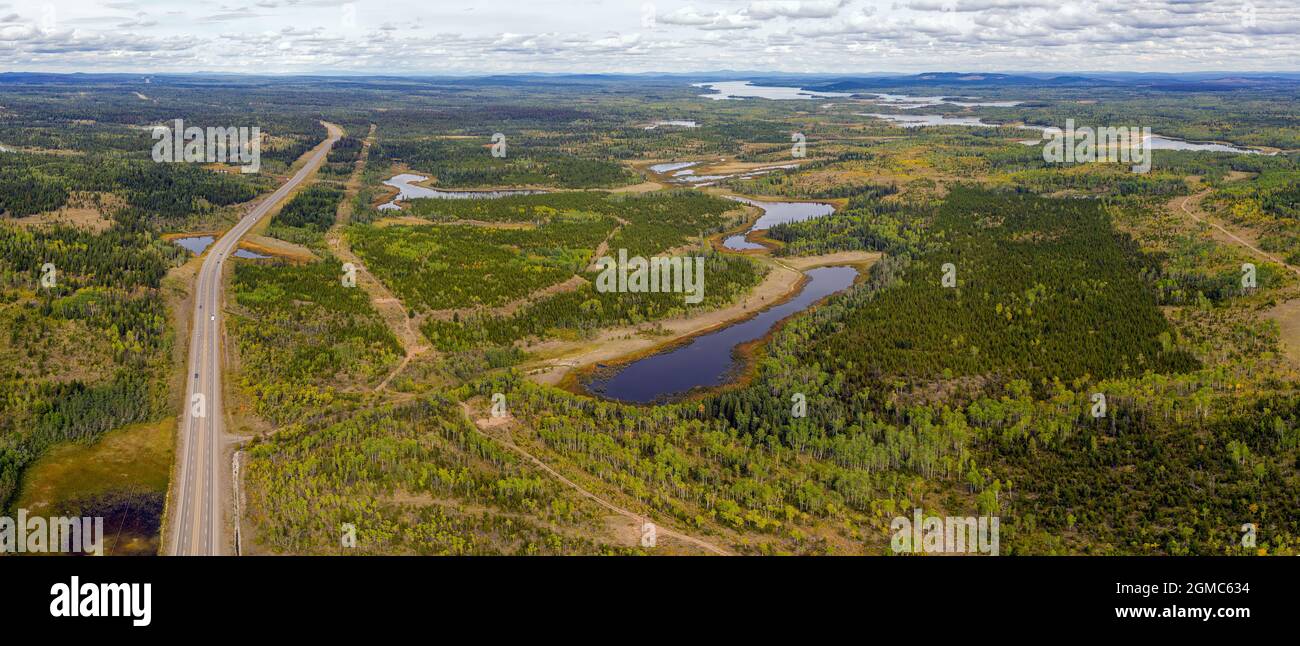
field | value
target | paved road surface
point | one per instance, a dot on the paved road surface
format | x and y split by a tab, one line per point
197	511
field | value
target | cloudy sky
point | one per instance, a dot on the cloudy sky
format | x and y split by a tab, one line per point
473	36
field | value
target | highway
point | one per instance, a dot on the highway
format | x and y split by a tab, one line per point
196	510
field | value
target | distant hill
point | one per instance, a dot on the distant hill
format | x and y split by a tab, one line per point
876	81
952	79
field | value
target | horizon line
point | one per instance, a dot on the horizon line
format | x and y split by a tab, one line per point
482	74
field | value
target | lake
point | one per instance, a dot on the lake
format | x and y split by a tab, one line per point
1157	142
728	90
908	102
775	213
672	166
918	120
196	245
676	123
683	173
710	359
407	189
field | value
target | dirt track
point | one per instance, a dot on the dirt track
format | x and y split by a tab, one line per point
484	425
1286	313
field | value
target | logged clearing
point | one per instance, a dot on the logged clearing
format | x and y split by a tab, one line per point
84	210
626	525
277	247
80	218
1192	206
643	187
1287	315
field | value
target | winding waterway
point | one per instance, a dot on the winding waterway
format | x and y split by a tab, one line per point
710	360
407	189
775	213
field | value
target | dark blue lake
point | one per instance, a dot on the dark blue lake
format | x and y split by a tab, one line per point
709	359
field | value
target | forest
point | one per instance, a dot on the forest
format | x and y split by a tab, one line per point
1038	290
305	339
86	334
306	217
962	374
462	266
584	311
84	351
979	397
308	481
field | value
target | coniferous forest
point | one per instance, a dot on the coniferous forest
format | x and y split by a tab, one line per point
1079	350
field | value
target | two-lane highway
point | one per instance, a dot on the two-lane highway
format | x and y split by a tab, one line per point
196	512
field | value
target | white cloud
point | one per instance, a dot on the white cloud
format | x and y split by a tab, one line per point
692	17
767	9
465	36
